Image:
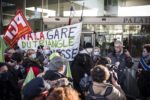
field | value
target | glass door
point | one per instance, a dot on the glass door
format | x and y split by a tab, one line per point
88	37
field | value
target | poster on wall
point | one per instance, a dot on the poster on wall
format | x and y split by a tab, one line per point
65	39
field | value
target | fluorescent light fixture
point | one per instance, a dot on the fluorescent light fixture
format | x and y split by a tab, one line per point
30	8
134	11
49	12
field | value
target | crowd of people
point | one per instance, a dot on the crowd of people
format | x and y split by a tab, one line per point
93	77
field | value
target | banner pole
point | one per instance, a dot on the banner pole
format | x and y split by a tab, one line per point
24	8
42	7
1	18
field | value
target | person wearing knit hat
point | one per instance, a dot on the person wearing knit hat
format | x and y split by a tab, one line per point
57	62
55	54
36	88
56	68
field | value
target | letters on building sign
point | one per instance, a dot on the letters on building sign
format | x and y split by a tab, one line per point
141	20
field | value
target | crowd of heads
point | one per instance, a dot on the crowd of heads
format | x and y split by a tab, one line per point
50	71
51	82
47	69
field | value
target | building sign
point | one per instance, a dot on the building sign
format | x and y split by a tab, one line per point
103	20
137	20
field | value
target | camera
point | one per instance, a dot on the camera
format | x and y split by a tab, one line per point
111	67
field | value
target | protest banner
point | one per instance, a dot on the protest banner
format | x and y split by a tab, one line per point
65	39
16	29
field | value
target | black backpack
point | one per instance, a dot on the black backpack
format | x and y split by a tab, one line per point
85	83
92	96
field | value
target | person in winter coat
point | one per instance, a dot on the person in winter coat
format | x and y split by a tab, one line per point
143	75
100	74
31	61
122	59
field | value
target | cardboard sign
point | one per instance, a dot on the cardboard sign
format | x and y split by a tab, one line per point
16	29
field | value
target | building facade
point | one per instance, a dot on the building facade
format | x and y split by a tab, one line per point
103	20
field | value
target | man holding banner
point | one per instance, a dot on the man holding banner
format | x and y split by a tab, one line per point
16	29
65	39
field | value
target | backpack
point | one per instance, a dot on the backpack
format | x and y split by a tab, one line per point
92	96
85	83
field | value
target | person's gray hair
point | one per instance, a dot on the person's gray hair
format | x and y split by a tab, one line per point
57	62
118	42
